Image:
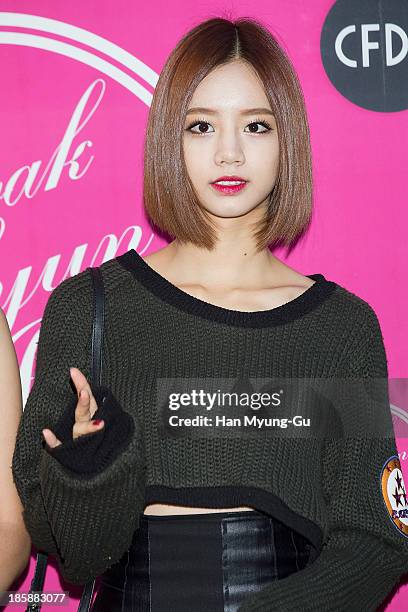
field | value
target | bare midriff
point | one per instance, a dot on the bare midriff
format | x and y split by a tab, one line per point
164	509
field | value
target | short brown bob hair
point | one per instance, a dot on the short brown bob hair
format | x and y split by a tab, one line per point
169	198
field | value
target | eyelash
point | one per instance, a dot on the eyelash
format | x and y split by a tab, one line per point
199	121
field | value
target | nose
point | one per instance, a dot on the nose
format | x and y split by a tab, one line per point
229	149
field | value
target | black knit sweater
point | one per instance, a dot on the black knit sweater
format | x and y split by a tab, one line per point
82	500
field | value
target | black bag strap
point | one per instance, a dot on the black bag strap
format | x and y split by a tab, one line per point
98	326
96	374
37	583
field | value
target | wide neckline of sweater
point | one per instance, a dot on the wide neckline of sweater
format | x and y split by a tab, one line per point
162	288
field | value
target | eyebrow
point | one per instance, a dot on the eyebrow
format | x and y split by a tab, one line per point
247	111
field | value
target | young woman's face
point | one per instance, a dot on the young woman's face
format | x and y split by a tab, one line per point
229	141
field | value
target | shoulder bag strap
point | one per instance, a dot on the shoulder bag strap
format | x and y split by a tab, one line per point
37	583
97	343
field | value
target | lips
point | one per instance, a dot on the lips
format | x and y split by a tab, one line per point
229	188
229	178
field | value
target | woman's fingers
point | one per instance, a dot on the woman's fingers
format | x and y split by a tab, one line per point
79	380
81	384
86	406
82	427
83	424
85	409
50	438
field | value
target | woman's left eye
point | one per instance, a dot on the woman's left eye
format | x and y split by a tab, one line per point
202	122
265	124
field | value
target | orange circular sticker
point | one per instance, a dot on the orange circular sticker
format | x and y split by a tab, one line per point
394	494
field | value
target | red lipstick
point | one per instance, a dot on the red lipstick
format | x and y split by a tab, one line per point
228	185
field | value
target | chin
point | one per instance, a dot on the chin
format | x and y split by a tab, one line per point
228	211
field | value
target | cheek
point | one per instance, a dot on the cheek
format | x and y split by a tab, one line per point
267	148
195	160
265	158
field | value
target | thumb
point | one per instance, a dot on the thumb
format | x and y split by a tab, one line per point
50	438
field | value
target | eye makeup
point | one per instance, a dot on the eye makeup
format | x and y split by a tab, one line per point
200	121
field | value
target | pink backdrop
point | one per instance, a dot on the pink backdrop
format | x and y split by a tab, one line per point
77	82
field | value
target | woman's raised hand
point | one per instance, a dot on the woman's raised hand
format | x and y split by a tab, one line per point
84	411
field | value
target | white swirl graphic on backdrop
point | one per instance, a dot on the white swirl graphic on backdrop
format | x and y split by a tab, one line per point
96	42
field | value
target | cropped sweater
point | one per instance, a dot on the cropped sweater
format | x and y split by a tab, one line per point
345	493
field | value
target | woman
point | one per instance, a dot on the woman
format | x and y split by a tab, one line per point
172	507
15	541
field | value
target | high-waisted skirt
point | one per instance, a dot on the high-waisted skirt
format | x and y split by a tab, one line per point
200	562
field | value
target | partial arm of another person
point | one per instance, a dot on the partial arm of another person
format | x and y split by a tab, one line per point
15	541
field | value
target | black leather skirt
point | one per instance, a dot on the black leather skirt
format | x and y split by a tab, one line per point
200	562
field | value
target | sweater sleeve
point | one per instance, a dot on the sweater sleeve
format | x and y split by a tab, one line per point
93	452
80	517
365	551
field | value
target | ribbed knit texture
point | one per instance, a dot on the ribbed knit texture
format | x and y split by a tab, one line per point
328	490
94	451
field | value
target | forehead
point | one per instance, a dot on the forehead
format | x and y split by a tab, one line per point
230	88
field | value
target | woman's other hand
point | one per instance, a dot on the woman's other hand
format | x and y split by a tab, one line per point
84	411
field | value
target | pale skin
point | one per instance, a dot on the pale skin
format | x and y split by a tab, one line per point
245	280
84	411
15	541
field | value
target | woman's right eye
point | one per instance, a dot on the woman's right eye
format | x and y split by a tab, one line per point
199	124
